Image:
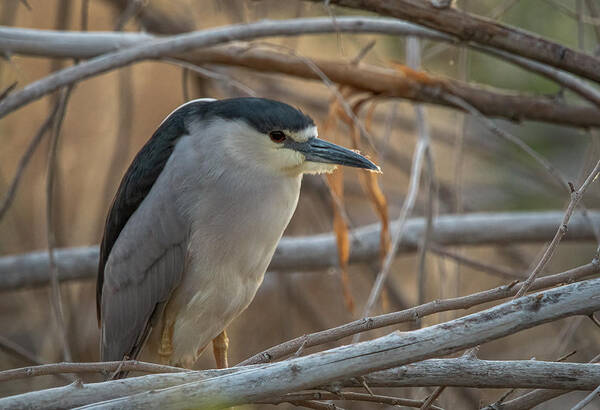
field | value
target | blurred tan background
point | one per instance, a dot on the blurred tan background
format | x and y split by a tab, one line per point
109	118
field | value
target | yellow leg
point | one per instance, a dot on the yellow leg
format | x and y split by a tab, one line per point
166	344
220	346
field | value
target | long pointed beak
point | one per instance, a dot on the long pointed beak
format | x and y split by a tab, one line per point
318	150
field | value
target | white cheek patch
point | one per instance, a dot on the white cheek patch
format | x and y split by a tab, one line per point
290	158
303	135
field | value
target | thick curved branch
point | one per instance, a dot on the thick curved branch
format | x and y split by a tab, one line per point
320	251
262	382
472	28
184	43
85	44
386	82
459	372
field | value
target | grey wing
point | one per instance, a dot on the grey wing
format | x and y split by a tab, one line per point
144	266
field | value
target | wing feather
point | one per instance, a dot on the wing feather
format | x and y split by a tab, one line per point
143	250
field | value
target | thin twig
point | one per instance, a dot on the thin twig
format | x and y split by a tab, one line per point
18	351
427	404
595	12
61	99
564	79
8	90
413	58
475	29
463	302
587	399
550	169
496	13
81	368
492	269
24	161
562	230
332	87
205	72
56	299
413	190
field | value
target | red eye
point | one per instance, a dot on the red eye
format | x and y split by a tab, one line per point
277	136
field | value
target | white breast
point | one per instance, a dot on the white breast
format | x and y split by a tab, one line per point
234	233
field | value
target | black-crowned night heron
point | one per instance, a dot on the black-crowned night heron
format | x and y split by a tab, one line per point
196	220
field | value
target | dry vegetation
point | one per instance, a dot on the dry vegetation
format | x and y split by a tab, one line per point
488	138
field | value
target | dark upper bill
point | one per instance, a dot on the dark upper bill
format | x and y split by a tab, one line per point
318	150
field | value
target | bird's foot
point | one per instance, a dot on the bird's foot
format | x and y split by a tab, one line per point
166	344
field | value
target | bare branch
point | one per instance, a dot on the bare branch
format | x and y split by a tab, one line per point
320	252
459	372
491	268
79	44
562	230
204	72
181	44
566	80
407	315
543	162
469	372
24	161
532	398
472	28
433	397
372	398
155	19
587	399
20	352
407	206
395	349
79	368
55	295
374	79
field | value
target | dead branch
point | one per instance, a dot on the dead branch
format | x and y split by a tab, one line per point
79	368
265	381
319	251
180	44
472	28
391	83
459	372
407	315
323	395
576	196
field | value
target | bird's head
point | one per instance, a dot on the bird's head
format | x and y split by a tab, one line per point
276	137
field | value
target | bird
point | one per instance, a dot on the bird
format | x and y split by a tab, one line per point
196	220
